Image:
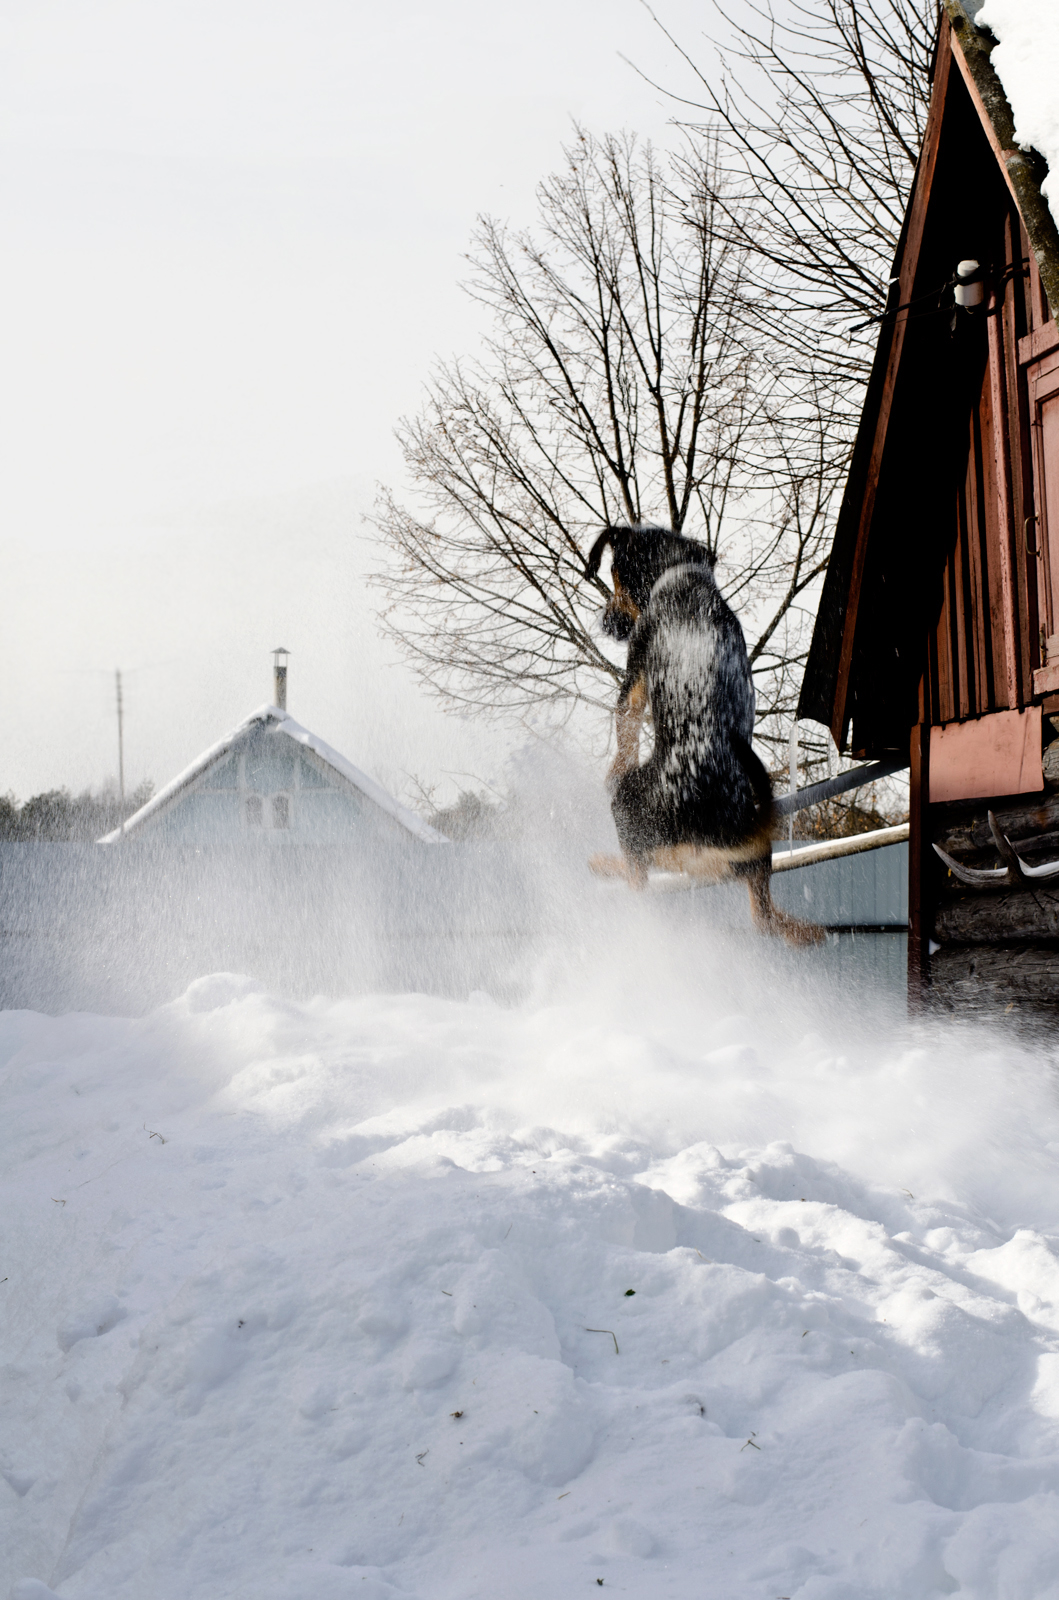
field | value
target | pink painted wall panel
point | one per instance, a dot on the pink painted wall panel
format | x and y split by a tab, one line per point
996	754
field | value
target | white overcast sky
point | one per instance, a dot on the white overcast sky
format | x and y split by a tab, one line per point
232	238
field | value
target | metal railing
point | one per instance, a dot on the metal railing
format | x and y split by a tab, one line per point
855	778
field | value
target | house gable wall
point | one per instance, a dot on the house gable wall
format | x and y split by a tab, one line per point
269	787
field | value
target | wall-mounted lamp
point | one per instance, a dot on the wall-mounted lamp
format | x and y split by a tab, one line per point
970	289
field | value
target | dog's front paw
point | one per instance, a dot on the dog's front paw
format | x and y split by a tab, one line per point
634	872
796	931
608	866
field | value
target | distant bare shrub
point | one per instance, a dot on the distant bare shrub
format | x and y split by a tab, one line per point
57	816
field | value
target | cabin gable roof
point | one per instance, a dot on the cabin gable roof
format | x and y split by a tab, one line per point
918	397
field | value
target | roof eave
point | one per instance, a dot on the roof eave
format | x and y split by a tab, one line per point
186	779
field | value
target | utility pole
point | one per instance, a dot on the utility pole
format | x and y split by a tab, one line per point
121	748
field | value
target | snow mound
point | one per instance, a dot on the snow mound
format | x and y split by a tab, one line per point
410	1299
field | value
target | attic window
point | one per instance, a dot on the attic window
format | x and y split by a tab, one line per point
254	811
280	811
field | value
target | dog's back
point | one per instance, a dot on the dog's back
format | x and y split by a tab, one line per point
694	659
702	783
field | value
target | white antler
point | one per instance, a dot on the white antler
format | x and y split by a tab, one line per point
1013	872
976	877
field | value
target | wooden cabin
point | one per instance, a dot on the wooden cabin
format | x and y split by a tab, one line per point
938	630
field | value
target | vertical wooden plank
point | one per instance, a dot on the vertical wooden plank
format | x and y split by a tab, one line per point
972	631
1027	264
978	550
1004	590
1044	400
962	644
1038	299
935	709
952	577
920	920
941	644
1015	324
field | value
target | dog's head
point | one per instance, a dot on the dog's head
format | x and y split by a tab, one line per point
641	555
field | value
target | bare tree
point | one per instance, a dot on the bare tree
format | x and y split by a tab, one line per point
815	112
622	382
818	110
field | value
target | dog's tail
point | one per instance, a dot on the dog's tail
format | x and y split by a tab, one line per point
595	555
759	779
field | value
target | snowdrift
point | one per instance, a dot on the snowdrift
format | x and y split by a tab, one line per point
694	1273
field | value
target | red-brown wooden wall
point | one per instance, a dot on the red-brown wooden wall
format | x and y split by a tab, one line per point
1000	588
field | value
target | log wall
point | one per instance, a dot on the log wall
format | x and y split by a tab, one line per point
994	949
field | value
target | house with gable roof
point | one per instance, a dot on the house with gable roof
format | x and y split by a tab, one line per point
270	779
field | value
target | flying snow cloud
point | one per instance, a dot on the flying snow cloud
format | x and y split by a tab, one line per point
695	1270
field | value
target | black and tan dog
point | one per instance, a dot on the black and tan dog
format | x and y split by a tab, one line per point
702	802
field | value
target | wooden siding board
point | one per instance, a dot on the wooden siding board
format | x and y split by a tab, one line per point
1004	589
992	657
993	598
982	658
955	575
1016	322
964	611
1043	391
936	664
978	561
996	754
948	688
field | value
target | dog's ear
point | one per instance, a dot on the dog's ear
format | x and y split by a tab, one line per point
595	555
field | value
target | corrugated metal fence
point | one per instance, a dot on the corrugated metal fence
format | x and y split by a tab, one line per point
123	929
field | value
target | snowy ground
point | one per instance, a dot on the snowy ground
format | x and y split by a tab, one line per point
331	1300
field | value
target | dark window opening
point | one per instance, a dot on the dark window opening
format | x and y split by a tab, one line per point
280	811
254	811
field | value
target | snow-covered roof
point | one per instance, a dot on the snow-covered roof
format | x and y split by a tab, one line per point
285	724
1026	61
1008	54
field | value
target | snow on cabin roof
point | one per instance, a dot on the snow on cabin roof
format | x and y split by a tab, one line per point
1026	61
285	724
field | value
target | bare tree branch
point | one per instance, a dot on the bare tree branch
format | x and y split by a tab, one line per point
623	381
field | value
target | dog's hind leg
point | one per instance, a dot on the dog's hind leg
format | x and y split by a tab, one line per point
768	918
